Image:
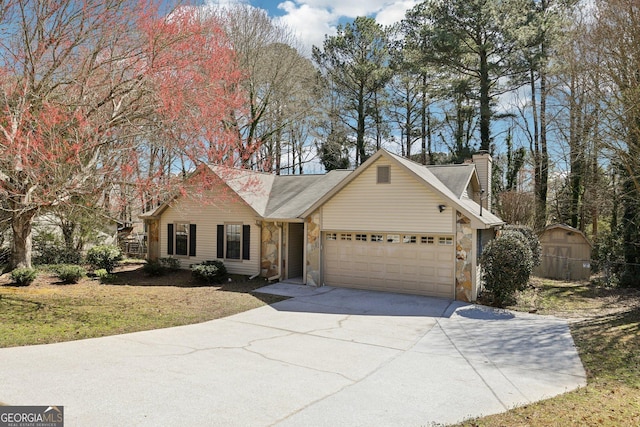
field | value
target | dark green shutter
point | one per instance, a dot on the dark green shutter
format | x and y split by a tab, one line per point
192	240
220	242
169	239
246	241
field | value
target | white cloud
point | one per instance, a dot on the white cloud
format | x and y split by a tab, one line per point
309	24
394	12
225	3
311	20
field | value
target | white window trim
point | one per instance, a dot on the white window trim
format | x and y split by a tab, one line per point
224	249
175	239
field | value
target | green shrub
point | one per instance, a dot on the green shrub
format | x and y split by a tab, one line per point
153	268
532	240
608	255
49	249
506	266
209	271
24	276
161	266
171	264
69	273
103	275
104	256
56	255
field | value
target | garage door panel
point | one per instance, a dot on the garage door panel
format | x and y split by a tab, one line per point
419	268
427	271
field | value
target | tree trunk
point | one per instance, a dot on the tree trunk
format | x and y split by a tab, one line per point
541	195
360	152
485	104
22	244
541	209
423	111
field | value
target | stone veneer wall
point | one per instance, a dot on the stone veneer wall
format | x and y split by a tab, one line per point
269	261
153	239
464	259
313	249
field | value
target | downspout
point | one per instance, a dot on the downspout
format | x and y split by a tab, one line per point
279	275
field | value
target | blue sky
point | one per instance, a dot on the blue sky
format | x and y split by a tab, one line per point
310	20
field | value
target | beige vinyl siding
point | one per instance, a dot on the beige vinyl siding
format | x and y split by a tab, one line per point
402	205
207	217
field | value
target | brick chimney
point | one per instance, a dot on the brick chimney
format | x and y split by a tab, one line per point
483	162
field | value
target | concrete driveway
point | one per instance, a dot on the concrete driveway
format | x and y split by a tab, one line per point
328	357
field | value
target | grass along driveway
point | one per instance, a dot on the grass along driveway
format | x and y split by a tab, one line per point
47	312
605	324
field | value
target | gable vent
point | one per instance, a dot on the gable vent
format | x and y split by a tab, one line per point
384	175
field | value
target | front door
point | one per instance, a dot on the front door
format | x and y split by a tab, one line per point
295	250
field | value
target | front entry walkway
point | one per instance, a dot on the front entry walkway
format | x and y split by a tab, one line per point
329	356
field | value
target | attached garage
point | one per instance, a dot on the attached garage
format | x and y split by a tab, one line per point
394	262
397	226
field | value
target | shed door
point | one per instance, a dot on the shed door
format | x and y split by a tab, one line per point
393	262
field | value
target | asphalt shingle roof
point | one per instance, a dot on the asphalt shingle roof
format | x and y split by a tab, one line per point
288	197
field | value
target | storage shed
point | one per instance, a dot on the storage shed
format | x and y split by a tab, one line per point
566	253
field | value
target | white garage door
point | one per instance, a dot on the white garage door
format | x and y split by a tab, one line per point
396	262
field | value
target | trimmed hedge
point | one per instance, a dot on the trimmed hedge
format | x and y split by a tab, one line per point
161	266
70	273
532	240
506	266
104	256
170	264
209	271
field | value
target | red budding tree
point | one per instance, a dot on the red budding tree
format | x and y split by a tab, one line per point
100	98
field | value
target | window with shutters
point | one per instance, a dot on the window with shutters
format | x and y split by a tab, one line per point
233	241
181	239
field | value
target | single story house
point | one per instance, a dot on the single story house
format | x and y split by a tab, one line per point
389	225
566	253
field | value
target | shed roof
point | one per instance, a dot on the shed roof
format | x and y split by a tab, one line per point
567	228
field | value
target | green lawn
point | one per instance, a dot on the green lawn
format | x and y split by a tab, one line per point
47	311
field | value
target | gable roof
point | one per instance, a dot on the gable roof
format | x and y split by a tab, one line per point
456	177
252	187
294	194
277	197
293	197
568	229
480	218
